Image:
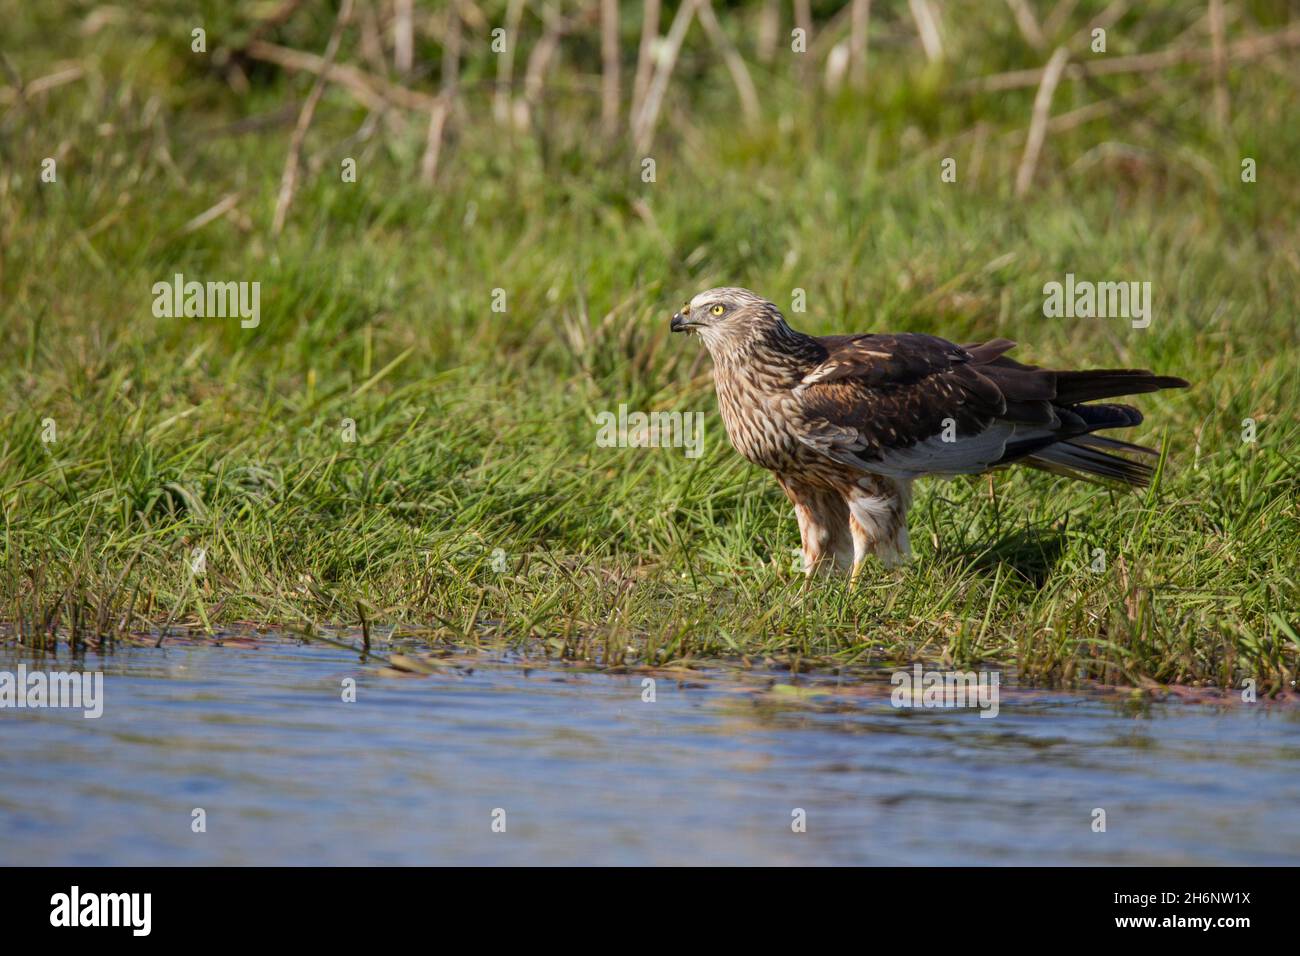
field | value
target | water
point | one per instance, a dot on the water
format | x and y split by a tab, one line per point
257	735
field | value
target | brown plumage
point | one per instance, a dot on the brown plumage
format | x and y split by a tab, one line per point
847	422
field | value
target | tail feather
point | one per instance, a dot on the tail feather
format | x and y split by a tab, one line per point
1058	428
1114	444
1077	461
1087	386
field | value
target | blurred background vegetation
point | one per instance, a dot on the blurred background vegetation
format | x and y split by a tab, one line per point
523	168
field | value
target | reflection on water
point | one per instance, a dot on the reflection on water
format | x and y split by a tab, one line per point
258	736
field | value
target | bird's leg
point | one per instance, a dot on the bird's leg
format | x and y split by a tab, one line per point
878	521
813	538
861	546
823	528
893	550
898	550
841	549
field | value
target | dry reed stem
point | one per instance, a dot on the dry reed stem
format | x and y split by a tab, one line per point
1056	19
769	26
403	36
1038	124
803	20
732	59
648	119
645	62
446	96
609	92
289	180
927	25
1027	24
275	18
372	42
506	62
1261	44
20	91
539	61
372	92
1219	62
859	21
223	206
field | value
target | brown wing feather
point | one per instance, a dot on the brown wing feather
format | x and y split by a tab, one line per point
876	398
883	359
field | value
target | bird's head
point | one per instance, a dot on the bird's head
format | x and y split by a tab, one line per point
727	316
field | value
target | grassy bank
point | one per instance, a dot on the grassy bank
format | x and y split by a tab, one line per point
475	501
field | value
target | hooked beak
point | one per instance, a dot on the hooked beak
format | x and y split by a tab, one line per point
681	323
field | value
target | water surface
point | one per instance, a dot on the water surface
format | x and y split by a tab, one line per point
257	735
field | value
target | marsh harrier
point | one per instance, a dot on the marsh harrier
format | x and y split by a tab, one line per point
848	422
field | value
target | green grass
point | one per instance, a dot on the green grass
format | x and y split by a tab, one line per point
475	429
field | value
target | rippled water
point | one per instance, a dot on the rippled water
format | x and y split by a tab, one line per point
256	734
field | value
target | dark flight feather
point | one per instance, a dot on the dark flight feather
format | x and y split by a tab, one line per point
888	399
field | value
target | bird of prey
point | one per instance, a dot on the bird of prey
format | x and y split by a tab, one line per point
848	422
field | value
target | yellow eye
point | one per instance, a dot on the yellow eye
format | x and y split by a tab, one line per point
717	310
